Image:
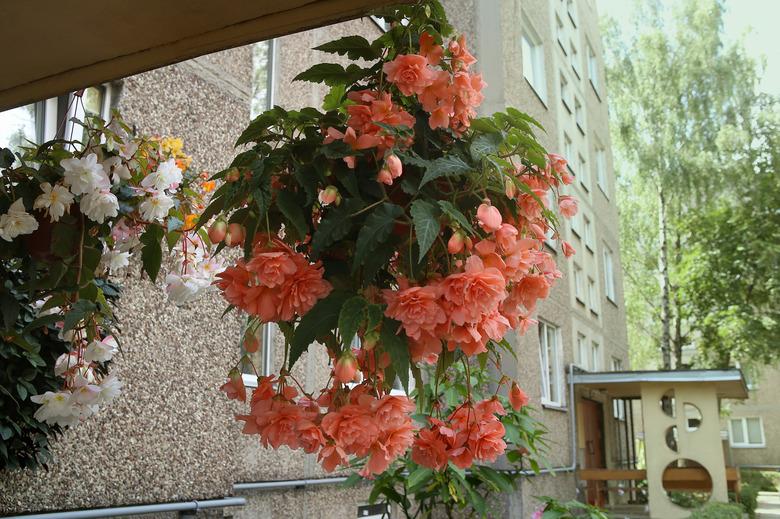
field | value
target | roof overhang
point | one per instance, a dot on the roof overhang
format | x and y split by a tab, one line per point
729	383
53	47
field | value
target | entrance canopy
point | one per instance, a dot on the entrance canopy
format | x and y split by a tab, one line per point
728	383
52	47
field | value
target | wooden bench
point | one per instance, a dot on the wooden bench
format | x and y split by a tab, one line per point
687	478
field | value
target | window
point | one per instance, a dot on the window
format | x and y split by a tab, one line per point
579	285
588	228
618	404
593	297
593	69
595	356
579	115
551	364
560	33
601	170
50	119
568	151
260	361
262	77
609	275
617	364
582	351
576	224
565	94
574	58
584	180
533	64
572	12
746	433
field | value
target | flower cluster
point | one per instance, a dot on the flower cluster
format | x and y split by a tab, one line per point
85	386
441	80
470	432
405	237
338	424
277	284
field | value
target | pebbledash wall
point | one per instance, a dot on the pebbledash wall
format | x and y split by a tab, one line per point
171	436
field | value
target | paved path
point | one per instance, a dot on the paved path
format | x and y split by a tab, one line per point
768	505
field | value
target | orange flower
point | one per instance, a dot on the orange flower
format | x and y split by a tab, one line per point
209	186
410	73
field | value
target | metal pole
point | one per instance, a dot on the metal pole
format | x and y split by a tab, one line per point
97	513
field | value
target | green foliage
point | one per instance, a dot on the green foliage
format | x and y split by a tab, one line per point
29	348
683	114
552	509
718	511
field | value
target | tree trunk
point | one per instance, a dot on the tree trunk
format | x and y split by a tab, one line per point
678	340
663	267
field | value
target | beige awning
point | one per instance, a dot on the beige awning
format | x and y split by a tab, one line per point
53	46
729	383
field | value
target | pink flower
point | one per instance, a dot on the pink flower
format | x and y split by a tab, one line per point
346	367
331	456
234	387
488	218
568	250
430	450
477	291
392	412
417	308
462	59
302	290
310	436
517	397
557	162
455	243
430	49
329	195
425	349
391	170
410	73
273	267
567	205
489	443
353	428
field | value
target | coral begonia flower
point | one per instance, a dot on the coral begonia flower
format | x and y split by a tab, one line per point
489	218
410	73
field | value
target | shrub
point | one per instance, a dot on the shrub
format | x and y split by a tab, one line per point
763	481
718	511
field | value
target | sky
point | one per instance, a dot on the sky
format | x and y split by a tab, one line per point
756	21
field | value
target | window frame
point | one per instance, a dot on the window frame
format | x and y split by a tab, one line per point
266	347
565	93
545	366
579	115
579	285
746	444
610	290
593	296
593	70
601	169
535	59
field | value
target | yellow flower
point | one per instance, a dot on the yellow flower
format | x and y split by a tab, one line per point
172	145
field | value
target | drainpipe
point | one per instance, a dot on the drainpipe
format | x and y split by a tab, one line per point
96	513
297	483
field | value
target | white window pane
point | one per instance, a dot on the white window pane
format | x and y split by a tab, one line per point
754	431
261	77
737	435
17	127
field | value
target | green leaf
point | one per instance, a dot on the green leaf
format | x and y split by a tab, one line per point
450	210
375	230
321	319
418	477
499	480
335	225
6	158
9	307
292	210
77	313
332	74
449	165
335	98
258	129
395	344
151	253
425	217
216	206
355	47
64	239
485	144
350	317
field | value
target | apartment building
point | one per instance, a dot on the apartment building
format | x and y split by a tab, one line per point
171	438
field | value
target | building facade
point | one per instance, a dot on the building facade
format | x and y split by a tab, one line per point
171	437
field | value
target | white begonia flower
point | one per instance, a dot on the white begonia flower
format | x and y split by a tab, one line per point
66	362
83	375
101	351
56	408
115	260
16	221
166	175
184	288
117	169
128	149
55	200
100	205
155	207
87	396
84	175
209	268
110	388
